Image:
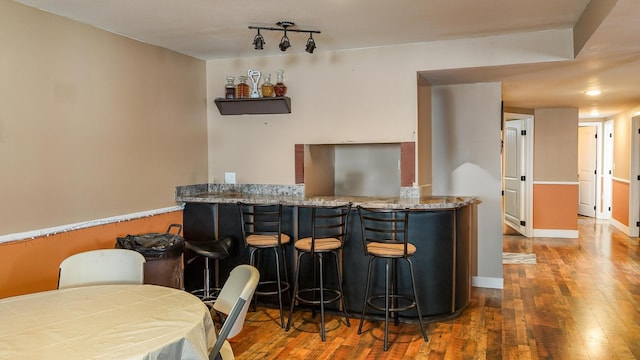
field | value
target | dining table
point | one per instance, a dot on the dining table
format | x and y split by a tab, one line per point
106	322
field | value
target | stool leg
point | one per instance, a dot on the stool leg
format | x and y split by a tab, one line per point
252	262
296	278
366	296
342	297
415	297
387	285
216	265
283	253
394	290
207	280
320	260
279	284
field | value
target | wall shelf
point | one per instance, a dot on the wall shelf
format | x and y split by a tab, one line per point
273	105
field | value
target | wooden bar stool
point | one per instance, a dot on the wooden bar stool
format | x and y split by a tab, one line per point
328	233
262	230
385	236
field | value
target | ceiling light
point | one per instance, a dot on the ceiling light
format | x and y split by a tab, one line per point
284	26
284	42
311	44
594	92
258	41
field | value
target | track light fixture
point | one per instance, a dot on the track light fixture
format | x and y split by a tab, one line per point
258	41
311	44
284	26
284	42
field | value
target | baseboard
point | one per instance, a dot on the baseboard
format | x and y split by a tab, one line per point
620	226
487	282
555	233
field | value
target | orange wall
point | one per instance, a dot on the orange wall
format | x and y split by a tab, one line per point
620	201
31	265
555	206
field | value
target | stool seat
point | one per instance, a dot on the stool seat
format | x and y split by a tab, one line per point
212	249
325	244
217	249
260	240
390	250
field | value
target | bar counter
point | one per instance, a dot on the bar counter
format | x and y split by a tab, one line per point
441	227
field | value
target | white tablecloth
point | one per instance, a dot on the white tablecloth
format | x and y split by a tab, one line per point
106	322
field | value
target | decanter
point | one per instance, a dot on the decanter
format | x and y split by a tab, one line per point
280	88
267	86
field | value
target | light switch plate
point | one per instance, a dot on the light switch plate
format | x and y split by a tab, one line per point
229	178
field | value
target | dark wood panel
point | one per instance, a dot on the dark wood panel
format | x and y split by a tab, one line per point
299	163
407	163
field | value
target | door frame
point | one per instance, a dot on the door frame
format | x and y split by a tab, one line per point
527	156
599	172
607	166
634	184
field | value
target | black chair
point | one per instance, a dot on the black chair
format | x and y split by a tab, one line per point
385	237
262	230
328	232
216	249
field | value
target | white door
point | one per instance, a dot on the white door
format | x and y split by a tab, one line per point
513	173
587	150
607	170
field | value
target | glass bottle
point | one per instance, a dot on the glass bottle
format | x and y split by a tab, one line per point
242	89
267	86
280	88
230	88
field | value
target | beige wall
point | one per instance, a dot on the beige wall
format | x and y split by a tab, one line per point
466	160
555	151
92	124
353	96
622	133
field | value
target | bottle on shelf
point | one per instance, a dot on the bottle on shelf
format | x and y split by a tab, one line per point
280	88
230	88
267	86
242	89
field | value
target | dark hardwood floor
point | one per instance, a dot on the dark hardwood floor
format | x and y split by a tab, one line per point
580	301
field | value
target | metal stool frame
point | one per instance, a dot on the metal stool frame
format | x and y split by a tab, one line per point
385	237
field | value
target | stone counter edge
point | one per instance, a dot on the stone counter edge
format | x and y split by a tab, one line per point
293	195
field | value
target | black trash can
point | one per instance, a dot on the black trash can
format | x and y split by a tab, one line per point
163	253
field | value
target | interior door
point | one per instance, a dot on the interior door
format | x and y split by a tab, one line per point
513	173
587	150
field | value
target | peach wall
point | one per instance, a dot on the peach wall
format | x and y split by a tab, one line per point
31	265
555	206
620	201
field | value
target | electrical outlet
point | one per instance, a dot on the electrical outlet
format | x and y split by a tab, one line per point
229	178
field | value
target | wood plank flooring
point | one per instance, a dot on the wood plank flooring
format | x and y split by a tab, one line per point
580	301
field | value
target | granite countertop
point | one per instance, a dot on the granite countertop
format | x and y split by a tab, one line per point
293	195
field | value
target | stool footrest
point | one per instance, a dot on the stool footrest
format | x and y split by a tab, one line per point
411	305
284	286
335	295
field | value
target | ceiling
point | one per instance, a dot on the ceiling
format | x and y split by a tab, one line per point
214	29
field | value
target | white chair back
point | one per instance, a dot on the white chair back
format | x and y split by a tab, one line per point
106	266
233	301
